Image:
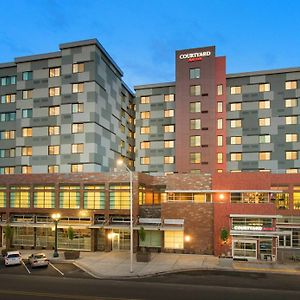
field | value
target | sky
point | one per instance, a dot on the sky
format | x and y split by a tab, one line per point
143	35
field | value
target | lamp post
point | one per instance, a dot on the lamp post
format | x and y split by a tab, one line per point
55	218
121	163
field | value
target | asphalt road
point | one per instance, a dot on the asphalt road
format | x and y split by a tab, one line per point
189	285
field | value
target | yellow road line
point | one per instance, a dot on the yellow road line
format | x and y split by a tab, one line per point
267	270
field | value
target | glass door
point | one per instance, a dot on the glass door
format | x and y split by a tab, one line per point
244	249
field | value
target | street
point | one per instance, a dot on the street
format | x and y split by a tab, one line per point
187	285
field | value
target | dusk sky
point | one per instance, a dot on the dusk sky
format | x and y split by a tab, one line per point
142	36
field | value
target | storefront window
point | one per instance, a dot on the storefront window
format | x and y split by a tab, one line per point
119	197
23	236
94	197
69	197
44	197
19	197
281	200
243	248
249	197
152	239
174	239
81	240
296	196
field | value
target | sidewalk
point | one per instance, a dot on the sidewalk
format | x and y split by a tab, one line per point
117	264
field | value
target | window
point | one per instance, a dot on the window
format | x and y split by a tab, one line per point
264	122
76	168
53	130
169	159
26	169
195	90
194	73
291	171
169	98
235	106
235	90
7	116
195	141
19	197
94	197
53	150
77	148
78	68
145	160
77	108
7	135
173	240
26	131
290	120
145	130
264	155
145	114
8	80
291	155
169	144
291	85
26	113
195	158
7	170
54	72
77	88
77	127
195	124
219	107
236	140
27	75
27	151
44	197
7	153
53	169
291	102
220	140
195	107
236	123
291	137
119	196
220	158
169	128
145	99
145	145
235	156
54	91
10	98
220	124
265	139
2	197
296	199
69	197
54	111
264	104
220	89
169	113
27	94
264	87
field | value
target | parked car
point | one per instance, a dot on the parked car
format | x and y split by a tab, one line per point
38	260
12	258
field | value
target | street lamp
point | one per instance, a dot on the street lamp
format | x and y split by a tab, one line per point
121	163
55	218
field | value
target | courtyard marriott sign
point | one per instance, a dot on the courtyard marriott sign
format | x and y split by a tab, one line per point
194	56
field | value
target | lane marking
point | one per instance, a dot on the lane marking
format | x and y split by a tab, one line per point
25	267
58	270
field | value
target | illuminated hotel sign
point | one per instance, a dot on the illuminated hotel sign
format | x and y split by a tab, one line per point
251	228
194	56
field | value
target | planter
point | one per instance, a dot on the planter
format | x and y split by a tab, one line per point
143	256
72	254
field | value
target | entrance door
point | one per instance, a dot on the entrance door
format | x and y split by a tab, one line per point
116	241
244	249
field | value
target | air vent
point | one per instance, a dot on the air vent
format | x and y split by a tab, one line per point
204	95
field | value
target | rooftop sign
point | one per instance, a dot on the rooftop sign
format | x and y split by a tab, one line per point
194	56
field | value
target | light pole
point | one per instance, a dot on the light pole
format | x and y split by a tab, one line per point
55	218
121	163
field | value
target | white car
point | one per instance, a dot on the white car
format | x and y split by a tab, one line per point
38	260
13	258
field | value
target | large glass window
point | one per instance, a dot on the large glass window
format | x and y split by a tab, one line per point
249	197
296	200
19	197
69	197
2	196
94	197
44	197
173	239
194	73
119	196
9	98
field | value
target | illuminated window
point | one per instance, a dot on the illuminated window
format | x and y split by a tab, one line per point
220	140
44	197
195	124
264	104
53	169
77	127
173	240
169	98
145	114
26	131
220	89
291	171
265	139
235	156
77	148
54	110
220	124
78	68
291	102
296	200
291	85
194	73
26	169
19	196
169	159
9	98
27	151
7	153
77	88
53	130
169	144
145	160
220	158
27	94
236	140
69	197
7	135
264	87
264	122
2	197
27	75
195	90
7	170
291	137
145	130
195	158
235	106
77	108
169	128
195	141
264	156
94	197
54	91
169	113
291	155
76	168
54	72
119	196
235	90
195	107
236	123
53	150
220	107
290	120
145	145
145	99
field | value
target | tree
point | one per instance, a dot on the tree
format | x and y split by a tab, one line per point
142	234
8	233
224	235
70	233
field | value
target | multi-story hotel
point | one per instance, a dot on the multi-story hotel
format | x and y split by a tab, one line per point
66	117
